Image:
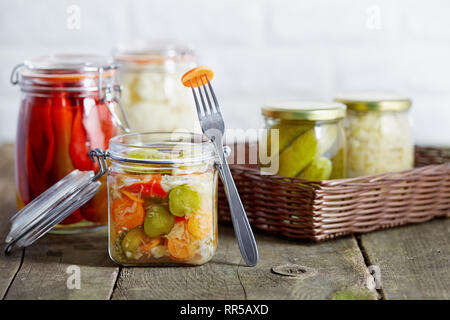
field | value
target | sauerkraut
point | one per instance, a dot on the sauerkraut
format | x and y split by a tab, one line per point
378	141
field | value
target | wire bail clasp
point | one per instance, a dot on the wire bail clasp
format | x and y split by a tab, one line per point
109	98
99	156
14	79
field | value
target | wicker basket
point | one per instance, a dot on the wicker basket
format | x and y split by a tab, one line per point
328	209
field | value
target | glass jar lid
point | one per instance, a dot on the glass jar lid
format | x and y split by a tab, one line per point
161	148
374	101
65	72
50	208
55	204
304	110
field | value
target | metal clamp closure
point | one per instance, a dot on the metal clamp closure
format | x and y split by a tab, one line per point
101	159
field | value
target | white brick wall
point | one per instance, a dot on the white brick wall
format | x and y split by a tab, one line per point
260	49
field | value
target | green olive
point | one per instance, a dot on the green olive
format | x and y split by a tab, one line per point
158	221
132	241
182	200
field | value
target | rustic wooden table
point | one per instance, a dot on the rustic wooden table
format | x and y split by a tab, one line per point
414	263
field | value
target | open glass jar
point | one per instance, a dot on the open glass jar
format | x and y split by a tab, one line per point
306	139
67	108
153	96
378	132
162	195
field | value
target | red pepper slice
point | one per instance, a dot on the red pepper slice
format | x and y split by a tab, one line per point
73	218
180	219
62	129
150	188
108	127
79	150
40	146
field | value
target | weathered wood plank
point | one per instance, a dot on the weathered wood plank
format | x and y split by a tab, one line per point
333	269
414	260
338	267
217	279
9	265
43	274
48	267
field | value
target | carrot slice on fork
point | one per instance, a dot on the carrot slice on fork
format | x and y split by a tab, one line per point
197	77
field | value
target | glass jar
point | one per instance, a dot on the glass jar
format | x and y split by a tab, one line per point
378	132
162	194
153	95
64	113
305	140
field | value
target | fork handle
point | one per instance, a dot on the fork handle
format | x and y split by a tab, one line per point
242	229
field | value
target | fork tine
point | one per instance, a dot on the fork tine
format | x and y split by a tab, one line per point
211	108
213	96
205	107
197	105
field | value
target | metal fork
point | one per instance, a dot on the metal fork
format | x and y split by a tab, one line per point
213	127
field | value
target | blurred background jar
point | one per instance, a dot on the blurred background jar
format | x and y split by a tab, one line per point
152	94
311	140
64	113
378	133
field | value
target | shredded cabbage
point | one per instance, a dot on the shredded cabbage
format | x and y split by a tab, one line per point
378	142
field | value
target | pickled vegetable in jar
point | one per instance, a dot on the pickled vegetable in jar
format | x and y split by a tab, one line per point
63	115
153	97
305	139
378	133
162	191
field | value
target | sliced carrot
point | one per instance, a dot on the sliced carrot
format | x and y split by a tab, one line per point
126	213
200	224
197	77
148	244
180	249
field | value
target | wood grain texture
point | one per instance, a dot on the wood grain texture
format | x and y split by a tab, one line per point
339	266
414	260
44	272
217	279
9	265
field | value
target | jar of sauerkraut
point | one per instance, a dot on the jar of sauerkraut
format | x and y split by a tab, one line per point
378	133
152	94
162	194
305	140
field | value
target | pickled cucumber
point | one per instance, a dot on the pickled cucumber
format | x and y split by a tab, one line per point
288	131
319	169
145	169
183	200
158	221
326	136
339	165
299	154
131	242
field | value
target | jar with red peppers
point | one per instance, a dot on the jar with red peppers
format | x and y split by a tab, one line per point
68	107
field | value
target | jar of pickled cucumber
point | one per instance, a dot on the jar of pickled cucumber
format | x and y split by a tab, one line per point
162	195
152	94
305	140
378	132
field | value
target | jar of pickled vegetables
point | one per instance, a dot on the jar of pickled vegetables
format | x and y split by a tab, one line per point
162	191
65	112
378	132
153	96
305	140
